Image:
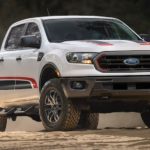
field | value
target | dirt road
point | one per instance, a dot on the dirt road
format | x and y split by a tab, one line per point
25	134
106	139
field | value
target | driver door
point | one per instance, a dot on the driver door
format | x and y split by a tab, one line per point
26	86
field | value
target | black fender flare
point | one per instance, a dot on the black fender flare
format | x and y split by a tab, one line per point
49	65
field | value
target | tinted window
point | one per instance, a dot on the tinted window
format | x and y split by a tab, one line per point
32	29
87	29
13	40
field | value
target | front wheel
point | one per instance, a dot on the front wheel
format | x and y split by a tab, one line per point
3	123
56	111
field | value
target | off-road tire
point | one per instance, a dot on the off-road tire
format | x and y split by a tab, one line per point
146	118
88	120
70	114
3	123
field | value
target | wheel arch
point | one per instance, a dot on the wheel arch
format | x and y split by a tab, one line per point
49	71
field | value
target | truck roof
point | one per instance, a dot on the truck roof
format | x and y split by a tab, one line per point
60	17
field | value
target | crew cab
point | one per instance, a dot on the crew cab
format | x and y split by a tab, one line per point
65	70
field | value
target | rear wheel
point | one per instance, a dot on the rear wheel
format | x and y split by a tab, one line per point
3	123
88	121
56	111
146	118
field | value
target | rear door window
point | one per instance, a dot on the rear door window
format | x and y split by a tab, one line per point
13	40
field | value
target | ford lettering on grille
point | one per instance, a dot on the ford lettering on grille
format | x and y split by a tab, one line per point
131	61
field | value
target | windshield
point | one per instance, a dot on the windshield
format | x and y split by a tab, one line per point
59	30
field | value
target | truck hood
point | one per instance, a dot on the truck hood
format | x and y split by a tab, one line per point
104	45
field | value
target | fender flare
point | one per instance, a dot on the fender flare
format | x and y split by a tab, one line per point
49	65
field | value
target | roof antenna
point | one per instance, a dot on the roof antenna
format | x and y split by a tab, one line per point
48	12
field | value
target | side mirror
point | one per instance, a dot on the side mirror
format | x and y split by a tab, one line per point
146	37
30	41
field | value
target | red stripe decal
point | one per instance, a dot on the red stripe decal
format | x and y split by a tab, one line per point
100	43
34	84
145	43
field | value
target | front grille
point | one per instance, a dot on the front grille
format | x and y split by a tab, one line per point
116	62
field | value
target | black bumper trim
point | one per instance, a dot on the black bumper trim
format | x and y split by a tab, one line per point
105	87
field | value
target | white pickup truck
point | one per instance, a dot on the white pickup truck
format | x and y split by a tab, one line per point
65	70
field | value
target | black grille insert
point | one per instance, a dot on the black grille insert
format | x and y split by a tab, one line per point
116	63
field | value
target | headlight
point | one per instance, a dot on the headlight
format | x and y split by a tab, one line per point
84	58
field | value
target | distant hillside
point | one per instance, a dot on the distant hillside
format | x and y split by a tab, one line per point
134	12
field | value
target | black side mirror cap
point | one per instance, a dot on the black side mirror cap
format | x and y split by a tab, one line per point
31	41
146	37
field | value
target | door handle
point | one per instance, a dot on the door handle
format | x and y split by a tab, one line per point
2	59
18	59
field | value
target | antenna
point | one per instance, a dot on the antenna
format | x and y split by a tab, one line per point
48	12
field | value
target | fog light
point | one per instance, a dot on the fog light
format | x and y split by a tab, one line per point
78	85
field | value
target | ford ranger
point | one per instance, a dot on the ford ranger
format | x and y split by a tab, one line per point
65	70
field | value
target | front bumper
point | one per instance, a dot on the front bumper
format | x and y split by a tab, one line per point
109	88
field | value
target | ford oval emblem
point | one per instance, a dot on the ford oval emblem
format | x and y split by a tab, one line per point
131	61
